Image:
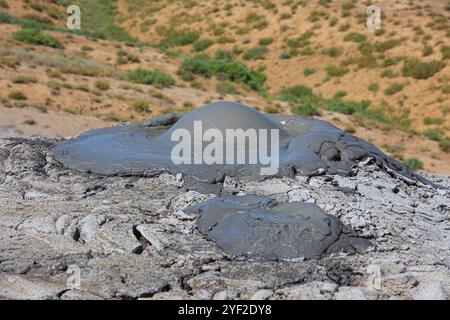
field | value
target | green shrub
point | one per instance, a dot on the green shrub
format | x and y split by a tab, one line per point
340	94
225	87
350	130
141	106
308	71
24	79
34	36
38	18
426	51
387	45
433	121
433	134
102	85
17	95
355	37
445	50
445	89
347	107
231	70
421	70
124	57
336	71
414	163
388	73
154	77
373	87
331	52
182	37
294	93
223	54
265	41
201	45
393	89
257	53
305	108
444	144
86	48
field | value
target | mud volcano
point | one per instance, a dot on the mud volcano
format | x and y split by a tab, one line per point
258	227
307	147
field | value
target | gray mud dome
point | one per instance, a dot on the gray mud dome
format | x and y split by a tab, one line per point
254	226
307	146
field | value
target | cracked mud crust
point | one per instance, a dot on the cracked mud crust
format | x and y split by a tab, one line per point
132	238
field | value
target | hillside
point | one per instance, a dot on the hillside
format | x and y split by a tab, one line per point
134	59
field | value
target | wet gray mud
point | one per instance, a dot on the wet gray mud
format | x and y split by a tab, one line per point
307	146
243	226
259	227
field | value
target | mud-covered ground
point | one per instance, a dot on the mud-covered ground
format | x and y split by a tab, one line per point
130	238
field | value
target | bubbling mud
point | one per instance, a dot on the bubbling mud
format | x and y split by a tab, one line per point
258	227
307	146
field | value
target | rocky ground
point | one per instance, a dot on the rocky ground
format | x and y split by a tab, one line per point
130	238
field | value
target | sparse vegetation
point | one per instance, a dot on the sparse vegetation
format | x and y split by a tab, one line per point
256	53
336	71
393	89
141	106
414	163
154	77
34	36
203	44
17	95
225	87
102	85
421	70
231	70
24	79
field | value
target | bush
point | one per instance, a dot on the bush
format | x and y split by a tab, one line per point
183	37
38	18
445	89
421	70
124	57
433	121
86	48
308	71
331	52
24	79
433	134
17	95
265	41
414	163
427	50
305	108
102	85
355	37
445	50
201	45
336	71
4	4
257	53
34	36
154	77
373	87
225	87
141	106
444	144
294	93
393	89
387	45
231	70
